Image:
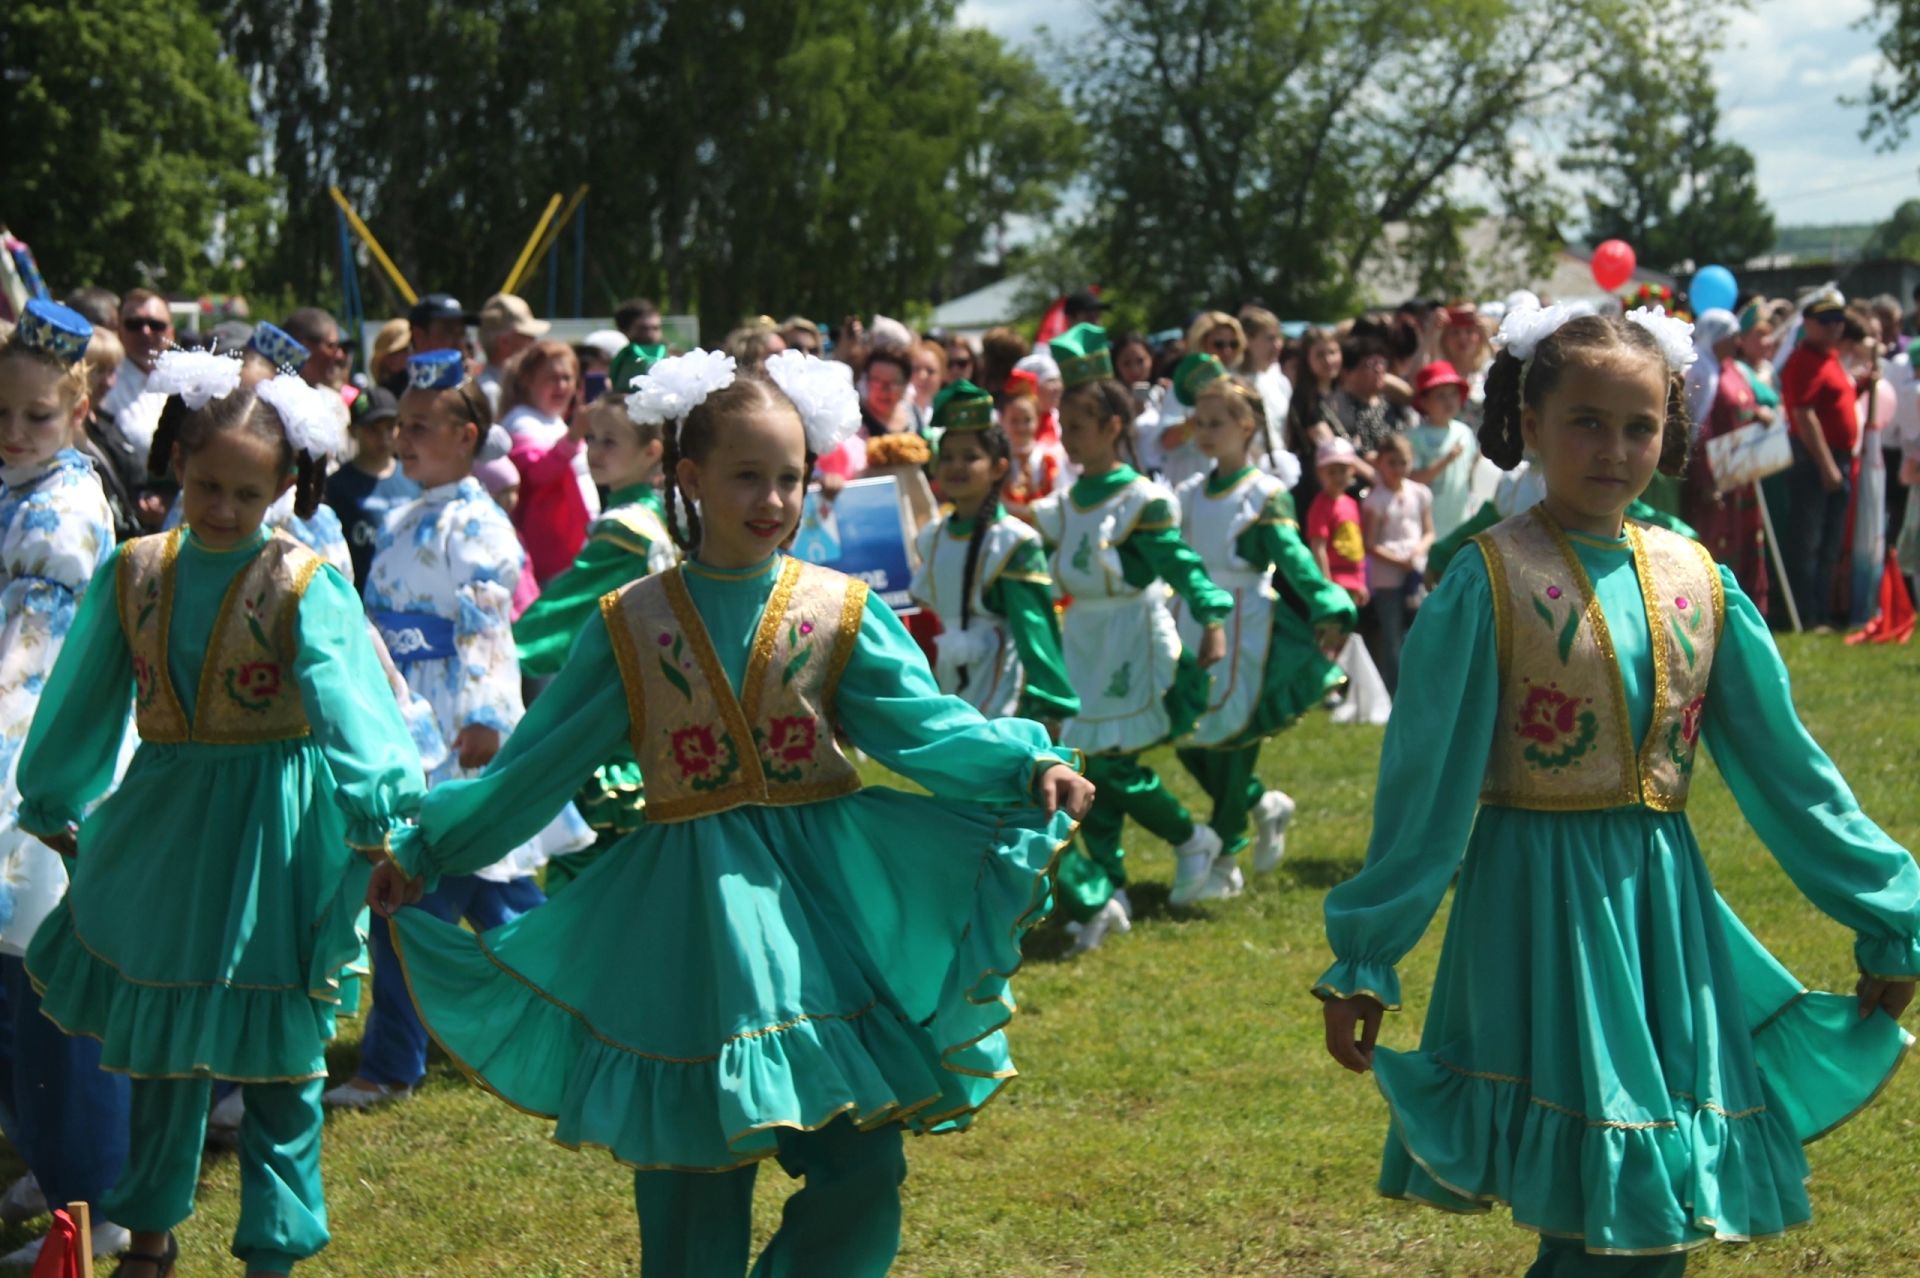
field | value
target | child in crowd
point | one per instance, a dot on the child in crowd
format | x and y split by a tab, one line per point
65	1117
1034	468
1116	548
366	490
1397	518
985	576
757	972
1239	519
557	496
1607	1049
214	903
1340	548
440	590
1445	450
628	541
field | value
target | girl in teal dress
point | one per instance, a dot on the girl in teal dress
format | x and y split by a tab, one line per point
216	895
1607	1051
1240	521
628	540
766	967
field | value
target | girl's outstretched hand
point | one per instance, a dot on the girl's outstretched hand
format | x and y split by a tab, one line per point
1880	991
1062	787
1342	1016
64	842
390	888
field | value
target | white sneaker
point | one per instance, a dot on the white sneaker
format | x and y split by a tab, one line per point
109	1239
1271	817
1126	903
1194	864
1224	882
22	1201
1111	918
227	1114
353	1096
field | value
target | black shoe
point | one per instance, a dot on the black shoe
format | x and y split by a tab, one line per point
162	1263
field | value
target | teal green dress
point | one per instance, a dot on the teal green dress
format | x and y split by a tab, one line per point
711	981
1608	1050
612	799
215	902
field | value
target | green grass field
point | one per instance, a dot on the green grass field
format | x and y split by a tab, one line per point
1176	1113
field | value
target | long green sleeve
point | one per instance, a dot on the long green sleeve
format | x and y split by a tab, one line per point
1155	551
352	712
1798	802
1442	552
74	744
890	705
1431	767
1022	596
546	630
1275	542
573	727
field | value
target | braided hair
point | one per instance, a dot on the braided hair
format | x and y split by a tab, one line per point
994	441
692	437
1578	340
1109	398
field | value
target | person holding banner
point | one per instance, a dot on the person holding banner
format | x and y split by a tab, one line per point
1725	514
985	576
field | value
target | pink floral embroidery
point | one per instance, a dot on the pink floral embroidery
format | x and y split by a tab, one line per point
1553	592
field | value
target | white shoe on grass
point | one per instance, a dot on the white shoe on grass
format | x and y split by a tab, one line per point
22	1201
1271	817
1224	882
1111	919
1126	903
109	1239
227	1114
1194	863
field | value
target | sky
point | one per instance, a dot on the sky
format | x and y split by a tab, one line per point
1786	65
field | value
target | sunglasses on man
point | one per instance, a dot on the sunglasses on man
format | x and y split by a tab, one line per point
142	324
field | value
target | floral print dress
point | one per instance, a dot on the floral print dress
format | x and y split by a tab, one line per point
55	531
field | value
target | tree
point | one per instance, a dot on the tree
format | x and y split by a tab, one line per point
126	145
822	155
1667	183
1895	101
1259	147
1898	236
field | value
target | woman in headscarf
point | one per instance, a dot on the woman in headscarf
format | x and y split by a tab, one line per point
1722	401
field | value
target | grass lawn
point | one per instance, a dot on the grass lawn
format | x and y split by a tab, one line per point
1176	1114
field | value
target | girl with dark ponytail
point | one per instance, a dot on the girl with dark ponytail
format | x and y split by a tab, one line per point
1597	1004
1116	544
214	901
985	576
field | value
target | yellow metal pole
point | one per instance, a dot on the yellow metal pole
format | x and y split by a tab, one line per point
526	251
554	232
373	246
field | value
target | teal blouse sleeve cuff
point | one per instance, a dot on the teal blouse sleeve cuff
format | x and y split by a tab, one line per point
1350	977
1053	758
38	816
1897	958
408	847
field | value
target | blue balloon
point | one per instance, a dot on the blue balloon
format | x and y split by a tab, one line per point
1713	288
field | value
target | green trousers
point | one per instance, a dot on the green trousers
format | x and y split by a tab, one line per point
1094	867
1566	1258
1228	778
283	1210
844	1221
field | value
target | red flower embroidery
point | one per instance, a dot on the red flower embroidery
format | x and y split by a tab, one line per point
1690	720
142	680
792	740
1547	715
259	679
706	758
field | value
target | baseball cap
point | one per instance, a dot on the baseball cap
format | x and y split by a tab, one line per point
1084	302
440	306
375	405
508	313
1332	451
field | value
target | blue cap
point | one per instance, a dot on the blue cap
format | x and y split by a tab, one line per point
437	370
277	346
55	329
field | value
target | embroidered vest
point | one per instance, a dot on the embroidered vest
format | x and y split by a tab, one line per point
632	523
703	750
246	692
1563	740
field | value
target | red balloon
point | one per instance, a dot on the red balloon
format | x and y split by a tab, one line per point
1613	264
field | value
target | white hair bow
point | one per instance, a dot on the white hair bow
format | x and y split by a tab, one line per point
822	391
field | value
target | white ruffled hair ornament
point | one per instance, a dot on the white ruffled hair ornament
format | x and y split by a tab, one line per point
197	377
822	392
312	426
1522	332
677	385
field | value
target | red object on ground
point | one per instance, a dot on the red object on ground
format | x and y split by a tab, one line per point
1613	264
1894	623
60	1254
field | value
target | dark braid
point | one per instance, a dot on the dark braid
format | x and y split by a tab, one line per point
994	440
688	539
309	482
165	434
1501	437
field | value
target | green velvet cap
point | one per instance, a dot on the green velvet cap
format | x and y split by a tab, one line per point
1082	354
962	406
1191	375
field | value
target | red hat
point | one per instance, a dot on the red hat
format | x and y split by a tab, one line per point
1438	373
1022	382
1462	317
